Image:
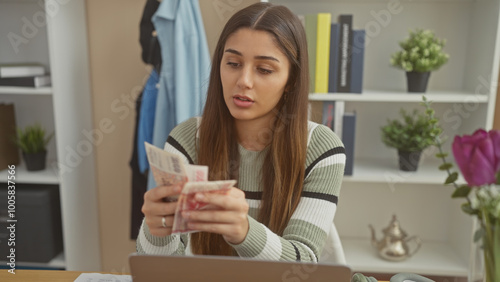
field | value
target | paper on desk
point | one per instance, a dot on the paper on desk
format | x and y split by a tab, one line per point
99	277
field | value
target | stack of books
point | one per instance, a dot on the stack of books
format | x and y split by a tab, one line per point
336	60
24	75
336	54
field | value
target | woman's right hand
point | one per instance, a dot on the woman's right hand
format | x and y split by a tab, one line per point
155	208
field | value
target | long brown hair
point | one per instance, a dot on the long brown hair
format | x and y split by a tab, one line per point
284	166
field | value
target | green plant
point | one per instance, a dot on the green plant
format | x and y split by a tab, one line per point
422	52
32	139
415	133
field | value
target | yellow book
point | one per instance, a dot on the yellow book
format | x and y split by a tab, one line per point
322	52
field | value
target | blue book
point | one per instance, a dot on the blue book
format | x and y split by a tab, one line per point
357	60
344	54
348	138
334	47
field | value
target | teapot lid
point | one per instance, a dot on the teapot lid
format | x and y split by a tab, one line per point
394	229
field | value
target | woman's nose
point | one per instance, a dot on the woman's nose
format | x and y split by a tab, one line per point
245	79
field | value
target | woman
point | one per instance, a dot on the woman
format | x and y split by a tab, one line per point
254	129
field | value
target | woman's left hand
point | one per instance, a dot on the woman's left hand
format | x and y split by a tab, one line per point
229	219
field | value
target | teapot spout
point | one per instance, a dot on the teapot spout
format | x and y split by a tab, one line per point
374	239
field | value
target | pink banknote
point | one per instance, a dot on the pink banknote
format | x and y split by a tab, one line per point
187	201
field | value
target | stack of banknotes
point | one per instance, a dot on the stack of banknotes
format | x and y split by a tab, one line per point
171	170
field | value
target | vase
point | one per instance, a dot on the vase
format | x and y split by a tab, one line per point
35	161
417	81
485	256
408	161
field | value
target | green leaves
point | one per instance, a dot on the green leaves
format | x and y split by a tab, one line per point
445	166
441	155
478	235
461	192
32	139
422	52
451	178
466	207
414	132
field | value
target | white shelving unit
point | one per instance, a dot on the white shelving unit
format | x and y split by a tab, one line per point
25	90
463	93
54	34
400	96
47	176
434	258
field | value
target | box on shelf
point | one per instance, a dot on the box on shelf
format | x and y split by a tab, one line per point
38	230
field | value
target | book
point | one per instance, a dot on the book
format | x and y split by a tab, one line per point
338	118
21	70
311	35
357	60
348	138
333	65
28	81
344	54
322	53
333	112
328	114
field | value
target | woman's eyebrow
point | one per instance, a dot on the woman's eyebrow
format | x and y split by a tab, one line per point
256	57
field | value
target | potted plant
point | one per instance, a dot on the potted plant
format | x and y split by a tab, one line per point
410	136
33	142
422	53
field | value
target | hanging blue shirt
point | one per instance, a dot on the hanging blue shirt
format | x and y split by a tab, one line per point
185	67
147	119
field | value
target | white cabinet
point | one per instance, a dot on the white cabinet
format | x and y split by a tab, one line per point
54	33
463	91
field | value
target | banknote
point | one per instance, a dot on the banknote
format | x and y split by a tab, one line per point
167	168
187	201
196	172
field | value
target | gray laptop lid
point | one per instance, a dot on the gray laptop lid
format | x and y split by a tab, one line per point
216	268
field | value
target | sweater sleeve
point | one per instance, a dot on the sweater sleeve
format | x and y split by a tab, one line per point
153	245
181	141
304	237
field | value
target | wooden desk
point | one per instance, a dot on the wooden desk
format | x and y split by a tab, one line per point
23	275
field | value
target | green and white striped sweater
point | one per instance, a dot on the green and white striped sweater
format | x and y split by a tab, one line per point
307	231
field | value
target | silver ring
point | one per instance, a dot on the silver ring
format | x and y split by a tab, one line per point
163	223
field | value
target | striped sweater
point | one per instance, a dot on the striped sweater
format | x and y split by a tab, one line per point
304	237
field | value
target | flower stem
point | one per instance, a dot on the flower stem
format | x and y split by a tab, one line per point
438	143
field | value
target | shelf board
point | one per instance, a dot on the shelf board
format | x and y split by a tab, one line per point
387	170
58	262
283	2
25	90
399	96
433	258
46	176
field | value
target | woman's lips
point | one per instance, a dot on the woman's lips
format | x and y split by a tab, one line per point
242	101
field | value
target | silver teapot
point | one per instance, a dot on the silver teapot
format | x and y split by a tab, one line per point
394	245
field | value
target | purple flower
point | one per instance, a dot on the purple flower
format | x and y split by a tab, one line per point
478	156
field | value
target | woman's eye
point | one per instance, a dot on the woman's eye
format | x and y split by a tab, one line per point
234	65
265	71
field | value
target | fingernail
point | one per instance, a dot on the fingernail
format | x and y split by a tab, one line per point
200	196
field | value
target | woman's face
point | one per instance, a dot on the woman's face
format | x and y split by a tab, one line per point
254	73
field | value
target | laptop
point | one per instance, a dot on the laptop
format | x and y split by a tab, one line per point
218	268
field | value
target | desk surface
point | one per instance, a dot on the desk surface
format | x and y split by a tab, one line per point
23	275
